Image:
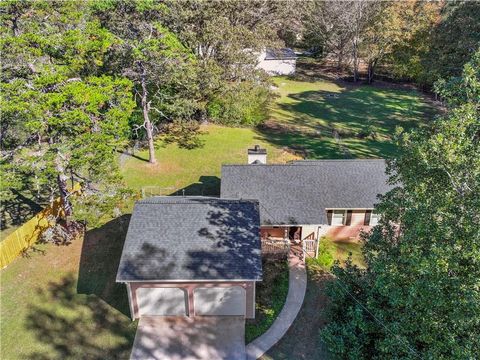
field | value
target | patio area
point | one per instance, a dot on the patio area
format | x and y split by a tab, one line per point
281	240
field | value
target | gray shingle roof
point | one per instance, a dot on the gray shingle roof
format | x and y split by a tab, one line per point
299	192
192	238
280	54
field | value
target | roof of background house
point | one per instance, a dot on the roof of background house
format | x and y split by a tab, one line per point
299	192
280	54
192	238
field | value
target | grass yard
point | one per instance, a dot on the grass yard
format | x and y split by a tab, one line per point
63	303
311	119
197	171
270	297
343	248
325	119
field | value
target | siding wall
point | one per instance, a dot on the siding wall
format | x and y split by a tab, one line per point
345	232
173	305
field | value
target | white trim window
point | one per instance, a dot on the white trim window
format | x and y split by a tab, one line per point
338	217
374	219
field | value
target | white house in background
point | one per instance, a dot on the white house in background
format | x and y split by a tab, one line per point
278	61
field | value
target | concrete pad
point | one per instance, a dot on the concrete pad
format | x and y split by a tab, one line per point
184	338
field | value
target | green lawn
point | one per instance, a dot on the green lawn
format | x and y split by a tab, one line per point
307	115
319	119
343	248
63	303
270	295
197	171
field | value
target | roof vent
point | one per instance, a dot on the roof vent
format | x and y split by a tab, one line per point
257	155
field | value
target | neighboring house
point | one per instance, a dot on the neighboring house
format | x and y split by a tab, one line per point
278	61
304	200
191	256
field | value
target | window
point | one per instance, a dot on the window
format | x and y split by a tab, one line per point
338	217
374	218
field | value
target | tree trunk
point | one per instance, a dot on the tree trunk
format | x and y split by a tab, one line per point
355	60
62	187
370	72
147	122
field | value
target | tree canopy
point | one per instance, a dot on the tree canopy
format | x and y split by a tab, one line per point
419	295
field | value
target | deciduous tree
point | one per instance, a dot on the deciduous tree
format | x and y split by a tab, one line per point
153	58
419	296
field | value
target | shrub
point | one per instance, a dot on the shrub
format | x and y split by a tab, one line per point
326	253
184	133
244	103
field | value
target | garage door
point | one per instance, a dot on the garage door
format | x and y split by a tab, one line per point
161	301
219	301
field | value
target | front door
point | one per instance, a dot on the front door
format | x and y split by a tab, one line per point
295	234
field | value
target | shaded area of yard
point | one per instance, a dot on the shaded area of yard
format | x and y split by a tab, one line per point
270	295
16	211
325	119
302	340
62	302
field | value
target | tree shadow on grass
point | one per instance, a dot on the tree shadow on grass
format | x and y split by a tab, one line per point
99	260
356	122
18	210
73	326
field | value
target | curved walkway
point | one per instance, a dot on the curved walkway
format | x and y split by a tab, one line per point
297	285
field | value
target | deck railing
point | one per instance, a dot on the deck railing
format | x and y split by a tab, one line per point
310	247
275	247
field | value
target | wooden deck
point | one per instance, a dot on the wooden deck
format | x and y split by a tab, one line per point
280	248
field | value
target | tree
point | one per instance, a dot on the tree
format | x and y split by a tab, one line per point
326	29
340	27
419	296
61	119
453	41
152	57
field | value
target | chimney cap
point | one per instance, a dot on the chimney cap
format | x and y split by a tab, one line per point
257	150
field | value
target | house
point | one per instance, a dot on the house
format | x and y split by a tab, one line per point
189	256
304	200
278	61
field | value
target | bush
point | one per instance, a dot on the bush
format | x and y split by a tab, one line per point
184	133
326	253
244	103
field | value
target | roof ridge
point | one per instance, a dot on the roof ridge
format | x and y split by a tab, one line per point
189	200
312	161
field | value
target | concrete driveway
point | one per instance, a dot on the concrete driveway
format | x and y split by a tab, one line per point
184	338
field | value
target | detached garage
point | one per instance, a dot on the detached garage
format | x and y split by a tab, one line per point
192	256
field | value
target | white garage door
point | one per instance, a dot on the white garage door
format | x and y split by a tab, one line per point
219	301
161	301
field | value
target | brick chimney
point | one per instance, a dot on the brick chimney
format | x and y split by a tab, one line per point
257	155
